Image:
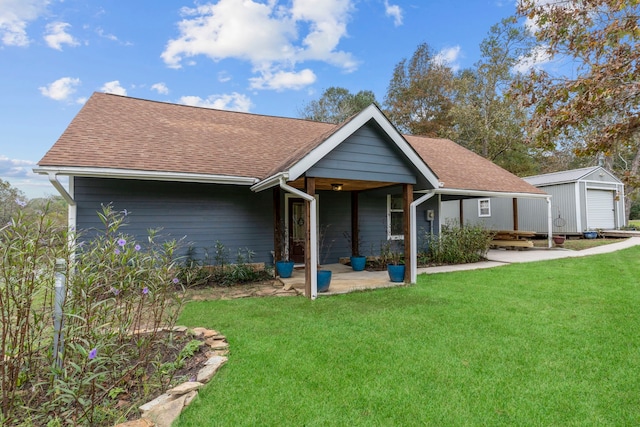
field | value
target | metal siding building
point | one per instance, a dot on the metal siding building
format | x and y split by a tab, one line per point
582	199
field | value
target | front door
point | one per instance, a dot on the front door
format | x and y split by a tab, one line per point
297	230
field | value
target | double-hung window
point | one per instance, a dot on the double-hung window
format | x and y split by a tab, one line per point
484	208
395	217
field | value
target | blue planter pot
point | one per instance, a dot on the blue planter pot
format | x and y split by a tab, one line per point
396	272
285	268
358	263
590	234
324	280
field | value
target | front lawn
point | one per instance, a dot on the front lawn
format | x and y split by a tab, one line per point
549	343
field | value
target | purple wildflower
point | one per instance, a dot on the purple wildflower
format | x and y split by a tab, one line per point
115	291
145	290
93	353
175	280
125	212
117	251
21	203
122	242
136	247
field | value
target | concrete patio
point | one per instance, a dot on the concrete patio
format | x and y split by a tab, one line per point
345	280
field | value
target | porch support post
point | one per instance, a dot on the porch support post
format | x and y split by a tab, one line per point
413	266
310	188
355	227
515	213
407	200
278	234
461	206
311	258
549	222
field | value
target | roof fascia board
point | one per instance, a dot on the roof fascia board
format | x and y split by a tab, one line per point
369	113
482	193
145	175
270	182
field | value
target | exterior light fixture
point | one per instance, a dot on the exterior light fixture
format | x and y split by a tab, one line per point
336	187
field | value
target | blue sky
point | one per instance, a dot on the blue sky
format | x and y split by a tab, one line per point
262	56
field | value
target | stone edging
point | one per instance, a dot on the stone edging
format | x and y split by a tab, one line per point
166	408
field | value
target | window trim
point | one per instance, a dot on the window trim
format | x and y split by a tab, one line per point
488	208
389	211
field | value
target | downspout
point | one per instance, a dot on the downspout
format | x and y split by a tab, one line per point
73	207
549	222
414	234
313	235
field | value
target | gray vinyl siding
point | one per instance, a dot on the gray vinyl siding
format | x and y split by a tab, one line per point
334	220
501	213
365	155
201	213
532	214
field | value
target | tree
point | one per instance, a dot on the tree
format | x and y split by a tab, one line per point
484	119
11	199
598	100
420	94
336	105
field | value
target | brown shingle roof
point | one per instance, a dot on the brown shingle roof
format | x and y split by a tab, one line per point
113	131
463	169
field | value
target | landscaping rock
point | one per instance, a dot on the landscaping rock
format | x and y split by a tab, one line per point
208	333
185	388
217	343
142	422
165	414
211	367
188	398
180	329
155	402
198	332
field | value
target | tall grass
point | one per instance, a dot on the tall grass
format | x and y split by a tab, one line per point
549	343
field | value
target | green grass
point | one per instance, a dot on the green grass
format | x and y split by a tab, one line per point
635	222
550	343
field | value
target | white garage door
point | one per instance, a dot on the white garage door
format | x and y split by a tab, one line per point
600	209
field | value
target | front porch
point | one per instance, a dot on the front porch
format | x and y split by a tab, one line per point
343	280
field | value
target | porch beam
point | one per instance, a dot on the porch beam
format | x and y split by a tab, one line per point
407	200
310	189
355	227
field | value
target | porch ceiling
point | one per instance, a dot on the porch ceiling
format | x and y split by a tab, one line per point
347	185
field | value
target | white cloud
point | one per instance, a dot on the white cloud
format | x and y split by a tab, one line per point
272	37
161	88
535	60
231	102
394	11
281	80
15	168
57	35
449	56
114	87
14	17
61	89
224	77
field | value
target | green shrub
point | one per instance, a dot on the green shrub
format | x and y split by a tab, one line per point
119	293
458	245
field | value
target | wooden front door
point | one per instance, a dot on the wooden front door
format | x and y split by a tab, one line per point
297	230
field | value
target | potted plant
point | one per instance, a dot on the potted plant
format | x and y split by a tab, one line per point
392	255
590	234
559	240
284	266
358	262
323	276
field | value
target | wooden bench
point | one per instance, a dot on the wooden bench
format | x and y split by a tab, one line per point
514	239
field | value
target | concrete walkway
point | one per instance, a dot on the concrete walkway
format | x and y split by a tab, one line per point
345	280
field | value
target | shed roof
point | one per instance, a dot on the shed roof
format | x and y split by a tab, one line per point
123	133
572	175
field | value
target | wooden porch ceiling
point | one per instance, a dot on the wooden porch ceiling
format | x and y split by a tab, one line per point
347	185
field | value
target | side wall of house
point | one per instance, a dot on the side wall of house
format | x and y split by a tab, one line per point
500	216
200	213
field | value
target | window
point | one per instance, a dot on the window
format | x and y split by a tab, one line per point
395	217
484	207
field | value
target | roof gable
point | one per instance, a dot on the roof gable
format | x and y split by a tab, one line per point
568	176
